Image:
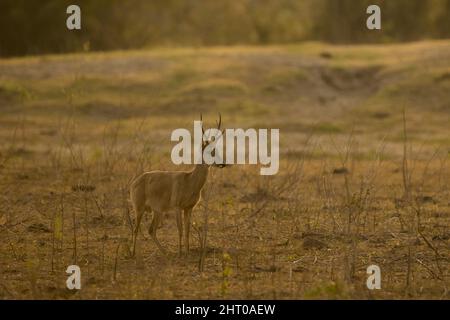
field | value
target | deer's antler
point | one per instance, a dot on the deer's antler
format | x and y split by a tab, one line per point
201	120
219	123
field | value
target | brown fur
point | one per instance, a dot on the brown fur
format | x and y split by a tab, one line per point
163	191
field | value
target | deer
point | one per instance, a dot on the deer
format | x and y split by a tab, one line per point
163	191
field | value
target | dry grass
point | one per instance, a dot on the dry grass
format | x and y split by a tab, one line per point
357	184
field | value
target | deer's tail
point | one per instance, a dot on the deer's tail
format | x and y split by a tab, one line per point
137	197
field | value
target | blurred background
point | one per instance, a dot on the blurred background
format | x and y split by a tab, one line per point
38	27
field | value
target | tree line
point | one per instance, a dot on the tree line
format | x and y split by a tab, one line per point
36	27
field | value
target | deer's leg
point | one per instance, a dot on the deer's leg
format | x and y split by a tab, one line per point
154	227
139	209
187	226
180	231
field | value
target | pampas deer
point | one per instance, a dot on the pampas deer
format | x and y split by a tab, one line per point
163	191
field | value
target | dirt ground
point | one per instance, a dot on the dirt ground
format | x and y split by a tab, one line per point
364	176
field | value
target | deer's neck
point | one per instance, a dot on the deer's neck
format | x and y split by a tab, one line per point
198	176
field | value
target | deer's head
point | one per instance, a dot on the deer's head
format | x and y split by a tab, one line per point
212	137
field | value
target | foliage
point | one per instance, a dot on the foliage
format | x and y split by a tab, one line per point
35	27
